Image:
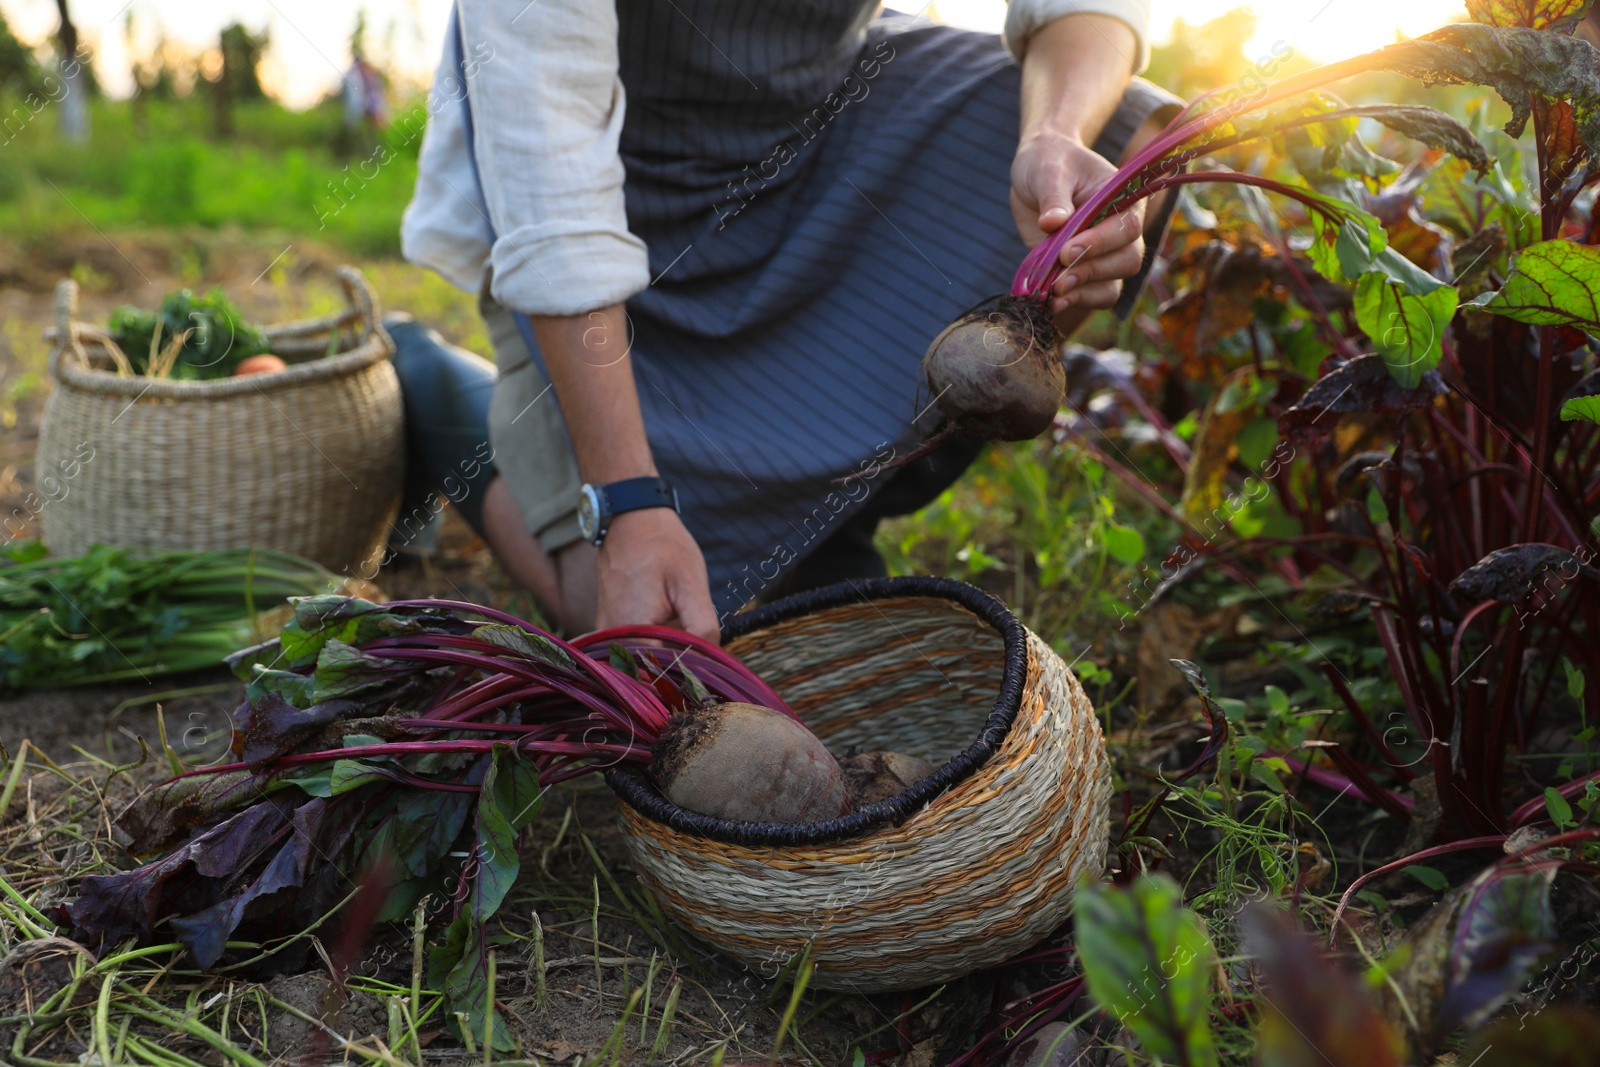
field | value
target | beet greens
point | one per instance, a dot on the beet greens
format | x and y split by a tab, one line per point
1431	386
403	745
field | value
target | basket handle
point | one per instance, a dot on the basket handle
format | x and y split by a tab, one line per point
364	300
65	335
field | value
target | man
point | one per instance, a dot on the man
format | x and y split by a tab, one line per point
714	238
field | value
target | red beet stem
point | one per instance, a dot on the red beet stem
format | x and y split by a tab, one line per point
612	679
570	718
638	702
1042	264
753	690
425	748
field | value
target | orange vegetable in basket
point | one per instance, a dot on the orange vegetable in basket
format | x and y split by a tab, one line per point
267	364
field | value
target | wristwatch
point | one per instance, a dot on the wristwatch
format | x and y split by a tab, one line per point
599	504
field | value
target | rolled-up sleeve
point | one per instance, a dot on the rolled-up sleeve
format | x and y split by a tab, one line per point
547	112
1026	17
446	227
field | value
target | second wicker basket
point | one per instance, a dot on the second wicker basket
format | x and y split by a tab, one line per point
308	460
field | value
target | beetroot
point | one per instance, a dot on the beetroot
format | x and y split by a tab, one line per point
747	763
874	776
997	373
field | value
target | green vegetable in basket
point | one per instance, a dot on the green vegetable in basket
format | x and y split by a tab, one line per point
215	337
113	615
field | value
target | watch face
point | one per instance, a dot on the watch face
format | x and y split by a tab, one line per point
588	513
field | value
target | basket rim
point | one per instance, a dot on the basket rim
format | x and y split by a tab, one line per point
69	363
633	786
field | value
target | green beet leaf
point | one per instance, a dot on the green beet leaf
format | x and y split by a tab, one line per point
1535	14
1147	958
291	688
1347	241
623	660
515	639
1405	326
344	671
1553	283
1430	126
1519	63
1581	407
419	833
460	968
507	804
320	619
348	775
1319	141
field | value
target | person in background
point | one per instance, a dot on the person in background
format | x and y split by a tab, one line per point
364	94
713	239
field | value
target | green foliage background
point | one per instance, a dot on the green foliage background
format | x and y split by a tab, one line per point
153	166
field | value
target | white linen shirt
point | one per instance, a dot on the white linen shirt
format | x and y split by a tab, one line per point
547	110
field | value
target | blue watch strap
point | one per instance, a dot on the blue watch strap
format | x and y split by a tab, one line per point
635	494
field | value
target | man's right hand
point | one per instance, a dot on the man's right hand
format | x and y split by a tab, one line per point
651	572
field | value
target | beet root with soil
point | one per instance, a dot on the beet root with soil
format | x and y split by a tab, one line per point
996	373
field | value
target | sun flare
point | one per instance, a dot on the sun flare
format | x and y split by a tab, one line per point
1324	30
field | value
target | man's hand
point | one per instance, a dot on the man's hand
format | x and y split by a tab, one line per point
651	572
1052	174
1074	72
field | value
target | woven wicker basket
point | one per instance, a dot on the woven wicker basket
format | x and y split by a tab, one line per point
308	460
969	866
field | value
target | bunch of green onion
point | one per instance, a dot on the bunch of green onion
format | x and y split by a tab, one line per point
116	614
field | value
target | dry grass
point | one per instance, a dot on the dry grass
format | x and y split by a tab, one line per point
587	970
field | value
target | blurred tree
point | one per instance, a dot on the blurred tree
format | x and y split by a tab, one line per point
138	102
241	56
358	36
167	72
20	71
66	33
238	80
